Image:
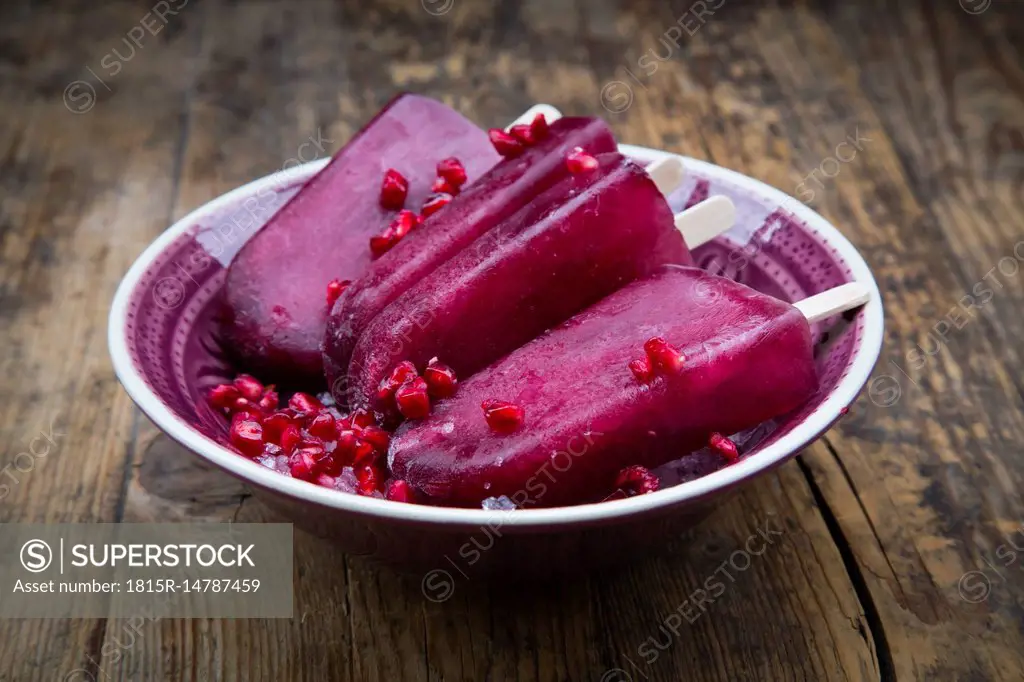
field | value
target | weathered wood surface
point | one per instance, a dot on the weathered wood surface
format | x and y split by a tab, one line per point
892	553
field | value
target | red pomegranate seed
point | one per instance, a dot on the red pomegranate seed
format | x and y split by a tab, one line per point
274	425
636	480
360	419
323	426
506	145
441	379
346	445
246	405
247	436
304	402
290	438
399	491
224	396
303	462
334	290
402	372
364	454
249	414
452	170
326	481
539	128
375	436
404	223
641	369
442	186
434	203
523	133
578	161
382	243
368	480
664	358
268	403
393	190
249	387
502	416
412	399
724	446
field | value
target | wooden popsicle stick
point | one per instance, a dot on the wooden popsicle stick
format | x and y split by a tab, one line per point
667	174
550	113
705	221
837	300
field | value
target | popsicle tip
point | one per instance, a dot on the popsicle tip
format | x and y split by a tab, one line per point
703	222
833	301
667	173
551	114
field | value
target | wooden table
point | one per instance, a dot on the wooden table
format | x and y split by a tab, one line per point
895	557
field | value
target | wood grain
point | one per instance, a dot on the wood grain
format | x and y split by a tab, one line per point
874	527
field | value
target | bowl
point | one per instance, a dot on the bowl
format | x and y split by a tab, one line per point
165	352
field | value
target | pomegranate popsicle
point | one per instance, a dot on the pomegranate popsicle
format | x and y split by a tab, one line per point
578	242
275	294
641	378
505	189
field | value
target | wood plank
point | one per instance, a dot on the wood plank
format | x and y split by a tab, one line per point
85	186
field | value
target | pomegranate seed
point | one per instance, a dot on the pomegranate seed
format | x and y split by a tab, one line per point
268	403
412	399
399	491
368	480
403	224
382	243
393	190
523	133
402	372
441	185
224	396
539	128
375	436
248	415
502	416
364	454
326	481
636	480
290	438
334	290
441	379
302	463
274	426
346	445
452	170
641	369
663	357
434	203
247	436
506	145
304	402
724	446
249	387
247	406
360	419
578	161
323	426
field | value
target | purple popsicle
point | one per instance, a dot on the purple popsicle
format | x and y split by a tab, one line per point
505	189
275	294
747	357
576	243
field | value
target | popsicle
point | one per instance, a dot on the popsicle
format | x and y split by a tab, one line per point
641	378
574	244
275	295
505	189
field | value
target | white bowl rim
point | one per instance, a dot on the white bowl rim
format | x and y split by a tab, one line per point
801	435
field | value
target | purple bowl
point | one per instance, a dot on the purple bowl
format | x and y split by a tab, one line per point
166	354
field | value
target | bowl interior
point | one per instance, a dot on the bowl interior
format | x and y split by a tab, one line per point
166	350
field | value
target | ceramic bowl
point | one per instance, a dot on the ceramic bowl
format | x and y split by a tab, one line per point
165	352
